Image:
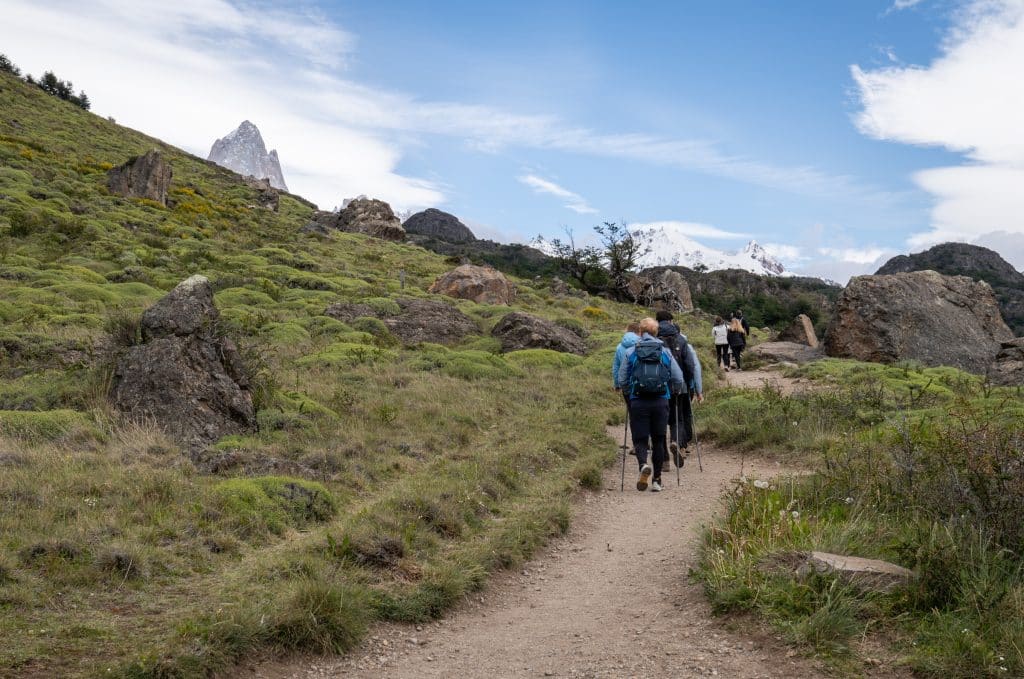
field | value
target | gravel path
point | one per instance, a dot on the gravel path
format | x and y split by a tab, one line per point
611	599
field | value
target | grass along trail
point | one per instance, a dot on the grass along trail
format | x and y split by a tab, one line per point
611	599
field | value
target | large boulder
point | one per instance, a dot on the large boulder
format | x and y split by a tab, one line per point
921	315
146	176
435	223
785	352
367	216
183	376
873	575
660	288
267	197
482	284
801	331
1008	368
518	330
427	320
418	320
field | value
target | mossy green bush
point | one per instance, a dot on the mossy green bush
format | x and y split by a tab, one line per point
345	354
258	507
543	359
37	426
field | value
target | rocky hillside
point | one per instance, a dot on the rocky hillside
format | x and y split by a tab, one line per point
243	151
226	426
973	261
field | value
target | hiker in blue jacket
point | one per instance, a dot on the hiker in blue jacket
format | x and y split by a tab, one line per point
630	338
650	375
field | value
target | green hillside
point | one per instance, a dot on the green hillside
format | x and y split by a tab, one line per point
395	478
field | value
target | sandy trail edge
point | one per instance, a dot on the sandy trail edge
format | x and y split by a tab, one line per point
611	599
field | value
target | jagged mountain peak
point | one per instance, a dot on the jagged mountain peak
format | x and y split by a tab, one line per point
244	151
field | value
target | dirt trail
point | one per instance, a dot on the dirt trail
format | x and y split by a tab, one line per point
611	599
756	379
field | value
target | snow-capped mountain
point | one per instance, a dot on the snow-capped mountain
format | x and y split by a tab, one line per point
244	152
667	246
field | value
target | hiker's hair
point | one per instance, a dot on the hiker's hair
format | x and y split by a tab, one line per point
719	320
634	326
663	315
738	313
649	325
736	326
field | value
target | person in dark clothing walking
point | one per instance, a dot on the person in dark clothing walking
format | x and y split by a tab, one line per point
651	375
680	414
746	326
737	340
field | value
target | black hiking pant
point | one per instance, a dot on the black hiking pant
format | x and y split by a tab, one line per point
736	351
649	419
722	354
680	419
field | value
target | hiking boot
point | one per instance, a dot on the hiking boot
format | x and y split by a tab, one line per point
645	477
656	486
677	457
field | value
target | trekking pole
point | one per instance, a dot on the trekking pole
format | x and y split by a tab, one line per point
679	452
696	443
625	434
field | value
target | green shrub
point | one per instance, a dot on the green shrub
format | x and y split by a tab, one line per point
267	505
48	425
318	616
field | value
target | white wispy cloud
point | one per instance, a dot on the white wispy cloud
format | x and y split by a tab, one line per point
787	253
692	229
969	101
574	201
899	5
865	255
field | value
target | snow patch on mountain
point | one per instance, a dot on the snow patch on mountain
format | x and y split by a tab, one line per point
243	151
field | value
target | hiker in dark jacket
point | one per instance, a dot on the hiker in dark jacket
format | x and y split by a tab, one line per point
680	413
646	367
737	340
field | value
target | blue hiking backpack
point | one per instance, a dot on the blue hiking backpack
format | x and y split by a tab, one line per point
649	376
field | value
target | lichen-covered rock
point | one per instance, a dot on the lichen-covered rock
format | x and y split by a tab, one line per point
519	330
418	320
435	223
1008	368
801	331
785	352
183	377
367	216
660	288
921	315
146	176
267	197
482	284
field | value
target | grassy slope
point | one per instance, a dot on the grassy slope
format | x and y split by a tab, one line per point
395	478
920	466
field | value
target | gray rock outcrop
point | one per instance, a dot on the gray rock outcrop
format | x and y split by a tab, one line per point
482	284
1008	368
660	288
801	331
183	376
519	330
438	224
267	197
419	320
243	151
921	315
368	216
864	574
146	176
785	352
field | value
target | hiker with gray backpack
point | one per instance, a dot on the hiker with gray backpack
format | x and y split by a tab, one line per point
650	374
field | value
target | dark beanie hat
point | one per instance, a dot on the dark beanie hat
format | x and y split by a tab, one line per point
663	316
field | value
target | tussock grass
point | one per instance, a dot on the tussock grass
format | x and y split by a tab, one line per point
919	466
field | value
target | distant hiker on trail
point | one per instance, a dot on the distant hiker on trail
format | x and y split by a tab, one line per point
651	375
680	415
720	333
631	337
737	340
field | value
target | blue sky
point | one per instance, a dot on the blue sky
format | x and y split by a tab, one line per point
835	133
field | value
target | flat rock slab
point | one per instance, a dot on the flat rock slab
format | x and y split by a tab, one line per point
789	352
872	575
